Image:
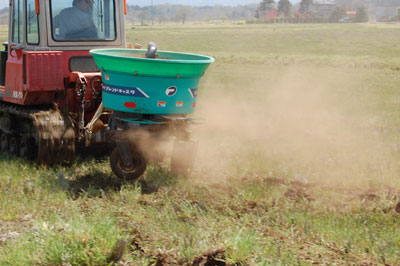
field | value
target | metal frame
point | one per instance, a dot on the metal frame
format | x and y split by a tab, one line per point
87	45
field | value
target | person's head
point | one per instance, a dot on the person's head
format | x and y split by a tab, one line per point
82	4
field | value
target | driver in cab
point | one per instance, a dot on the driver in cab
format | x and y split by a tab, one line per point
76	22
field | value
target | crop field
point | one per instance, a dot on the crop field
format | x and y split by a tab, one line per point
298	162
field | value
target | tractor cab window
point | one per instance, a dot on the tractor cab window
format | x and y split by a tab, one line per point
77	20
17	27
32	26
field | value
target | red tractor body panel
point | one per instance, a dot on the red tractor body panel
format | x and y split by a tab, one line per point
43	76
34	78
14	80
44	71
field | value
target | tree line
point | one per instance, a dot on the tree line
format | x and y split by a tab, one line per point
160	14
285	9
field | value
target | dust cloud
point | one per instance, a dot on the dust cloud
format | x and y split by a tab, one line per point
308	123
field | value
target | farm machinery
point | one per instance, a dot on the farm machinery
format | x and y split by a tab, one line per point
67	79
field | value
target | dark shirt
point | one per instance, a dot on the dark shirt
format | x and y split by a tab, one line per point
76	24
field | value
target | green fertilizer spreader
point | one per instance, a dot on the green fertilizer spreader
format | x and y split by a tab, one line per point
150	94
165	85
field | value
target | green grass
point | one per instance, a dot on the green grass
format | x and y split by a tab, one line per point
298	161
259	221
283	43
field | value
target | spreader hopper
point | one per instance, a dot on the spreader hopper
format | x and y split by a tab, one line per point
166	84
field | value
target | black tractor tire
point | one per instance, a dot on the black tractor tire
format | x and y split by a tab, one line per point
128	173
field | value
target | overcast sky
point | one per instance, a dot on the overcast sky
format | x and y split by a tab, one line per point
4	3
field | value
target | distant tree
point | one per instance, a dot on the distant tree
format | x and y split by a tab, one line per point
397	17
264	7
305	6
338	13
224	18
284	8
4	10
183	13
161	18
235	15
143	16
362	14
148	14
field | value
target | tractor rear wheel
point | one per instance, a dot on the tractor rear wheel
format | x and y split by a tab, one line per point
128	173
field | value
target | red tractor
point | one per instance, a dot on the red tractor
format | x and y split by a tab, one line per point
50	86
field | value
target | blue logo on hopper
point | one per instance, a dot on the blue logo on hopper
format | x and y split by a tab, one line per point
125	91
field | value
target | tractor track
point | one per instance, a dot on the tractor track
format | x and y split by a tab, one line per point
41	133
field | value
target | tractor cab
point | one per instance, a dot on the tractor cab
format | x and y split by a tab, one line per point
37	25
50	39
